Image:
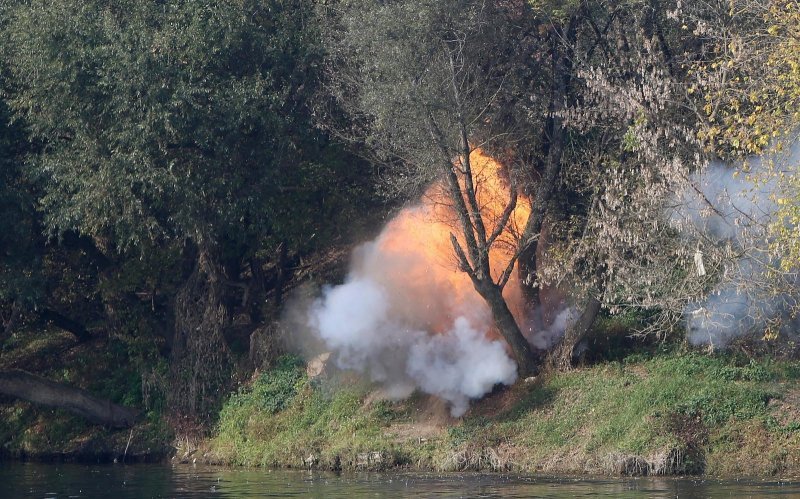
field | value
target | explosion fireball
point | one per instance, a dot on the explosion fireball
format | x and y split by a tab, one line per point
408	317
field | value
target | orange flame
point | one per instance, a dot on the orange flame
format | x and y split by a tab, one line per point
417	261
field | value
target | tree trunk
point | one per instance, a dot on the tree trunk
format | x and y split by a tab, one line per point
555	139
201	363
508	327
562	355
478	246
27	386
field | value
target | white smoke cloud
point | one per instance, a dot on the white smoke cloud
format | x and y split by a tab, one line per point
356	322
724	208
400	321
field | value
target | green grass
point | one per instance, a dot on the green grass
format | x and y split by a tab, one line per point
693	406
628	407
282	419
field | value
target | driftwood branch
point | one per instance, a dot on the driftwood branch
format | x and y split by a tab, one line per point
38	390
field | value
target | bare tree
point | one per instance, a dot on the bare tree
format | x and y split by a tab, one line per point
421	82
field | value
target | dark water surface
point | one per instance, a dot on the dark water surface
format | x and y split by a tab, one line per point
145	481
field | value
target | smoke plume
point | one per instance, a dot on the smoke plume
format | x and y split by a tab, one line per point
410	331
408	318
547	338
728	210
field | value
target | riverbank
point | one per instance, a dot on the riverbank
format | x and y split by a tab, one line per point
658	414
100	366
653	412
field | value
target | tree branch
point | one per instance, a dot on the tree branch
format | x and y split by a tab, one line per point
27	386
455	191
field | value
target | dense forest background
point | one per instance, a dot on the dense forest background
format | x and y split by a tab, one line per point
172	171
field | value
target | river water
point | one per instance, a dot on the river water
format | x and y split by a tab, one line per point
21	480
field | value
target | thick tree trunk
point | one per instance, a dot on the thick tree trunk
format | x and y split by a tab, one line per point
555	139
201	361
27	386
562	355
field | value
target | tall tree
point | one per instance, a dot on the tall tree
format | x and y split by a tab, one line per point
176	125
21	281
421	82
607	126
747	86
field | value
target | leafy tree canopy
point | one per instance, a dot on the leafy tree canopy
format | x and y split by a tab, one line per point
170	120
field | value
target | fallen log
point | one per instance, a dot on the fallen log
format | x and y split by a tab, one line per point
38	390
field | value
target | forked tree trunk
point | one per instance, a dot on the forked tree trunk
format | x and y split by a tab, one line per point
475	259
478	238
38	390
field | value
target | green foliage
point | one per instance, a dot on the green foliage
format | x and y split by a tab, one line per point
749	89
758	100
178	120
717	406
282	419
469	431
630	141
274	390
394	67
21	280
27	429
151	132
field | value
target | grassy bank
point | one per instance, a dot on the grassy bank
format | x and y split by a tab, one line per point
671	413
659	412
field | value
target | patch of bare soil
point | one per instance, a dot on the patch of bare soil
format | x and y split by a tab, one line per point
786	409
428	417
503	398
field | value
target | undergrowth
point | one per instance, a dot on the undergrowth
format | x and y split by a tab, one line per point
285	420
672	411
105	370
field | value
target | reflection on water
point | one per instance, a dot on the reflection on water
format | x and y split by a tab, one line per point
143	481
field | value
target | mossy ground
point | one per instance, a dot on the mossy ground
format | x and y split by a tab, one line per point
665	413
